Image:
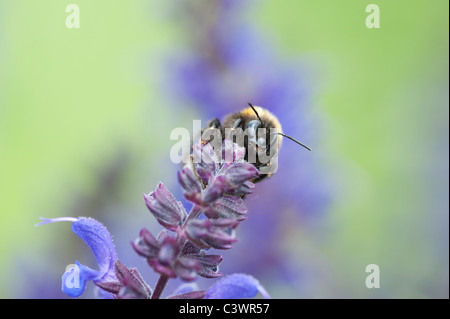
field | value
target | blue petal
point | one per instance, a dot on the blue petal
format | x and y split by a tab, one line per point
75	277
236	286
99	240
185	288
99	293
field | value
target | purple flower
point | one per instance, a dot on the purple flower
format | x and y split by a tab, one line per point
216	233
129	285
97	237
188	291
179	249
227	206
233	286
114	278
167	258
172	263
226	63
167	211
229	175
191	185
209	264
214	184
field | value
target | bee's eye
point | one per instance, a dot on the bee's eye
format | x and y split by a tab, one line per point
253	128
259	141
272	143
273	139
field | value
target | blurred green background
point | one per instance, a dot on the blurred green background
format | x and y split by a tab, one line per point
73	101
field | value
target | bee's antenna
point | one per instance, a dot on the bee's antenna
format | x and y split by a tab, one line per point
293	139
254	110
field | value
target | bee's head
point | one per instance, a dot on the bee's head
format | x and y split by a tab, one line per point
262	136
270	138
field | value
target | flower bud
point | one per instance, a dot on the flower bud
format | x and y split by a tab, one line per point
216	233
167	211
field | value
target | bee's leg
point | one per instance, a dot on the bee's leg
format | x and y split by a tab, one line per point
235	131
260	178
238	123
215	123
210	130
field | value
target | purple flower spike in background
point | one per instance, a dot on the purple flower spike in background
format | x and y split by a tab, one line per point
226	62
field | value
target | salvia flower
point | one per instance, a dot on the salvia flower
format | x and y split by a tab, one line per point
99	240
188	291
129	285
167	211
216	233
235	286
209	264
215	185
227	207
113	277
212	184
227	61
227	175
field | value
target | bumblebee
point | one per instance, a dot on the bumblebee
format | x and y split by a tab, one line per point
256	129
